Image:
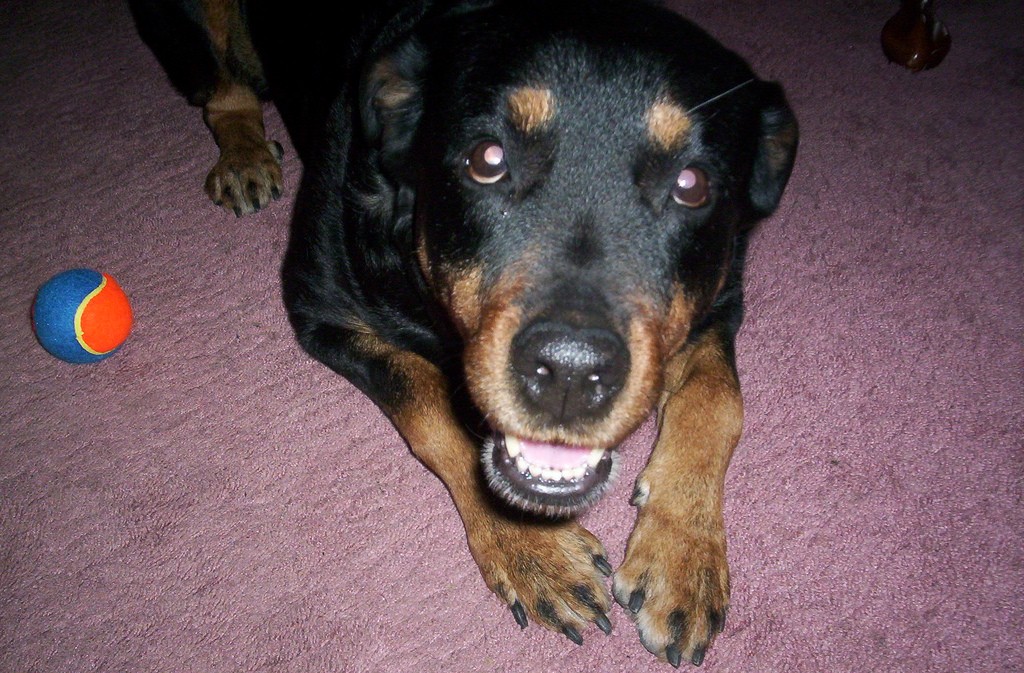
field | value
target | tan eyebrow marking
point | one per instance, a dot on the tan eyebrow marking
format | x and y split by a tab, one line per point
394	89
530	108
668	125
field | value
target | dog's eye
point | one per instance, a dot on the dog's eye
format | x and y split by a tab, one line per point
486	163
691	188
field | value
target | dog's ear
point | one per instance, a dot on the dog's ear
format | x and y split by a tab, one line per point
391	104
776	150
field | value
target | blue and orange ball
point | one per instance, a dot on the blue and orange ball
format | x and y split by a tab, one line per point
81	316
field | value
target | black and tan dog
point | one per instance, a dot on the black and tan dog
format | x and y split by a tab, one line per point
520	230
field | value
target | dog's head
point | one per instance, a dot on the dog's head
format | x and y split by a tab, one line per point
580	183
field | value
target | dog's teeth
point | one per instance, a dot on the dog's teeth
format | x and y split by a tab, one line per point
514	449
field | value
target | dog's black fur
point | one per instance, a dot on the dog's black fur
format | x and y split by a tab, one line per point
429	289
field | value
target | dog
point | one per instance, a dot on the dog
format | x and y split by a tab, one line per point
520	230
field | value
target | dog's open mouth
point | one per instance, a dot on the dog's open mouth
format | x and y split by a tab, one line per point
550	479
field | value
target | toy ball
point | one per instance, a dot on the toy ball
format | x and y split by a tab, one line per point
81	316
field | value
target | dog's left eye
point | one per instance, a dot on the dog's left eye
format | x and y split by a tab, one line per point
486	163
691	188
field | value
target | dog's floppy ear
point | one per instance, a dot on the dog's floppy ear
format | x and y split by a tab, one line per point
391	104
776	150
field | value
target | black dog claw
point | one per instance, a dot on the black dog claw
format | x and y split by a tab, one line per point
698	655
603	624
573	635
673	655
636	601
519	613
602	565
717	621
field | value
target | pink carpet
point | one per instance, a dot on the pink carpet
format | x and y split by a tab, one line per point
210	500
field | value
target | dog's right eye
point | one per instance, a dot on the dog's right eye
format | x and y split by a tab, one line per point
486	163
691	188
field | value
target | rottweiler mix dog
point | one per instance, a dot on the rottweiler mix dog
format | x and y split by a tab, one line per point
520	230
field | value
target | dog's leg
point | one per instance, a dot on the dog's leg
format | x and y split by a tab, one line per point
248	173
205	48
675	578
551	571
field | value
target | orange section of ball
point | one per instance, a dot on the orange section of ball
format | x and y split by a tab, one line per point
107	318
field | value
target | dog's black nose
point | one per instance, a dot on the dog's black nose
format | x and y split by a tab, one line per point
568	373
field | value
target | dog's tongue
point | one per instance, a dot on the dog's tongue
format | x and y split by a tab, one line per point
558	457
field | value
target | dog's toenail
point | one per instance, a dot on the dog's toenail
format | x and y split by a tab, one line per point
636	601
573	635
519	613
673	655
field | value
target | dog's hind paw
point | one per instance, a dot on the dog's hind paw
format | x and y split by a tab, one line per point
247	177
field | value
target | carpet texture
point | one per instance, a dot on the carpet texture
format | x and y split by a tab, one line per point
210	499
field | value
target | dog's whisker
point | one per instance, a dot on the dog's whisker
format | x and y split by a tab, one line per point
722	95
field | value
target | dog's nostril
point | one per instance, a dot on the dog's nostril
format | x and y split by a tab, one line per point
567	373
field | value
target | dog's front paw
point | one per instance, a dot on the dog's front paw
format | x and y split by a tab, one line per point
246	177
550	572
675	582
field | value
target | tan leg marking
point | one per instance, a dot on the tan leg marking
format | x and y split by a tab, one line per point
247	176
675	577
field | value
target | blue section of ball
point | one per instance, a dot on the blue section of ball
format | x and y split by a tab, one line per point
53	315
